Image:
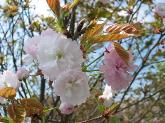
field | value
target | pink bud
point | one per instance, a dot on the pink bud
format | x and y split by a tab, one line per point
66	108
22	73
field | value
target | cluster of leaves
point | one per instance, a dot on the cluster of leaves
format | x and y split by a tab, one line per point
20	108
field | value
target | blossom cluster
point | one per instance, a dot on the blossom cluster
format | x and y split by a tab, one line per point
160	10
60	60
11	79
116	72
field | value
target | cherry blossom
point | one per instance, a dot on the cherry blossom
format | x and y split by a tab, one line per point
47	32
66	108
30	46
160	9
22	73
9	79
72	87
116	70
56	53
107	95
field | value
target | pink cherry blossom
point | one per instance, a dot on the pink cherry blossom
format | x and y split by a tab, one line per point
116	70
160	9
31	46
66	108
22	73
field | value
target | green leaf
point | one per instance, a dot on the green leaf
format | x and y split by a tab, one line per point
101	108
115	120
6	120
47	109
75	3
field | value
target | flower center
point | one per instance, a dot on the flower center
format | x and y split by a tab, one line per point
59	55
71	84
69	87
117	67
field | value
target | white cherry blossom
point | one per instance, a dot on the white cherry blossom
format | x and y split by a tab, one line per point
72	87
107	95
56	53
30	46
9	79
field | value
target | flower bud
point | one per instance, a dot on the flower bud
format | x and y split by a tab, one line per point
66	108
22	73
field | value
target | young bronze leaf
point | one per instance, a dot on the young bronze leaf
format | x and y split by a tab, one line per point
32	106
109	37
16	112
96	29
8	92
121	52
55	6
126	28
